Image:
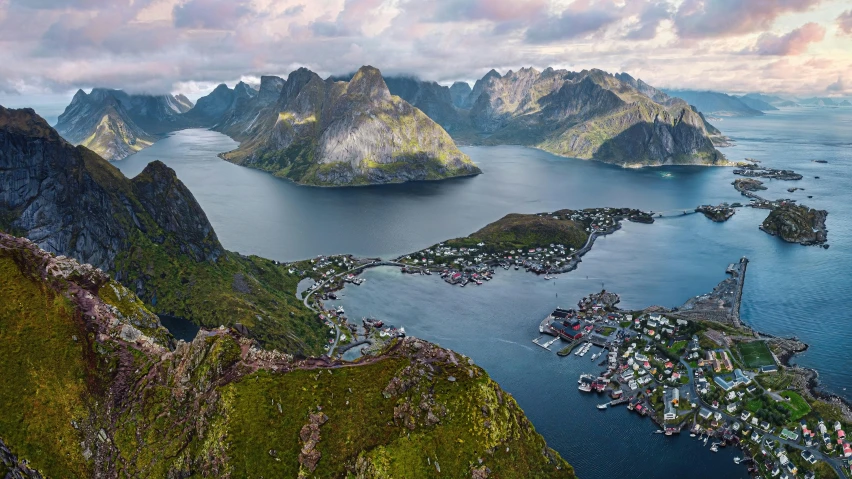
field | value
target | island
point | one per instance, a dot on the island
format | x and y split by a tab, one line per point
763	172
698	368
718	214
797	224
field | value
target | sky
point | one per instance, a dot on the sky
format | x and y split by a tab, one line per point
53	47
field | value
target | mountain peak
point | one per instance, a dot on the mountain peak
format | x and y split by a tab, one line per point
368	82
27	122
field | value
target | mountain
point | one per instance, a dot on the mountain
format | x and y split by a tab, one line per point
115	124
593	115
772	100
101	122
817	101
715	103
239	120
94	386
459	91
757	103
845	103
434	100
148	232
338	133
220	103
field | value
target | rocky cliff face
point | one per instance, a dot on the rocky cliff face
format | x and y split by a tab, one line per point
70	201
222	102
115	125
108	393
434	100
459	91
345	133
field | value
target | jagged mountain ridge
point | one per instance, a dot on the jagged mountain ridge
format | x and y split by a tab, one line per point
343	133
115	124
149	232
591	115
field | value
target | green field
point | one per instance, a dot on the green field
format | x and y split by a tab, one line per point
755	354
798	406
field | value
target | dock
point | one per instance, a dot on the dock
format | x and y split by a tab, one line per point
547	345
738	270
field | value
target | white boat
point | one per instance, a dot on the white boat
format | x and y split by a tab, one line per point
715	447
602	406
737	460
692	435
705	441
658	431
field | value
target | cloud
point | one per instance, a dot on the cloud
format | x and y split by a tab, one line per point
652	15
721	18
457	10
794	43
844	22
578	20
294	10
836	87
210	14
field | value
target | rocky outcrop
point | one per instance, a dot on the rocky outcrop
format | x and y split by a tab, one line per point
70	201
337	133
115	124
241	118
797	224
434	100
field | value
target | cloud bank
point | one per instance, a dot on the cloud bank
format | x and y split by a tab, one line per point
796	46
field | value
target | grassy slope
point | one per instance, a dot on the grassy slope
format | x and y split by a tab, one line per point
526	231
361	424
44	373
204	292
199	411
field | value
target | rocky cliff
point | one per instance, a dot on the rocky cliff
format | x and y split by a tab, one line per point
115	124
109	394
241	118
149	232
339	133
221	103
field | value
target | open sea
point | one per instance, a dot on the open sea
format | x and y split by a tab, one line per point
790	289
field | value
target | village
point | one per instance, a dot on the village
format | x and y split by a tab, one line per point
720	383
474	260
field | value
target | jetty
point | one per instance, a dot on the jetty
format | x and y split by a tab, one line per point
538	342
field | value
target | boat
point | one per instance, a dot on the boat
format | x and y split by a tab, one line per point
692	435
705	440
658	431
737	460
602	406
715	447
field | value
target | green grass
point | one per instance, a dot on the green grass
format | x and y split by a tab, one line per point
607	331
45	378
677	347
524	231
777	381
755	354
361	424
797	405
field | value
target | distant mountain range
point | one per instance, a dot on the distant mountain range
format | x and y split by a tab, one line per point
364	128
750	104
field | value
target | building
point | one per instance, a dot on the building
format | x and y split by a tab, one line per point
672	397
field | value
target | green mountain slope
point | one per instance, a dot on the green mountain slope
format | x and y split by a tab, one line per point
106	394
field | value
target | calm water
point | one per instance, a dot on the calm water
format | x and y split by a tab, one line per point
790	290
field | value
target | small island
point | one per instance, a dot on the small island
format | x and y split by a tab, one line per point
718	214
771	173
797	224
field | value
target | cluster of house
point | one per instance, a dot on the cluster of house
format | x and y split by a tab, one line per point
718	360
539	259
657	326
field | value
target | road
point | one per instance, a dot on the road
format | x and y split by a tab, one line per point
322	283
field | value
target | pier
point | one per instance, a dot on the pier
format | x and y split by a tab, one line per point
739	272
547	345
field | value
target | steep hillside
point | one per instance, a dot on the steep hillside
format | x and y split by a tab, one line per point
339	133
106	394
593	115
222	102
459	91
115	124
149	232
757	103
